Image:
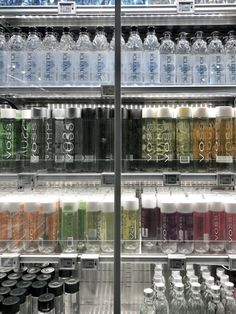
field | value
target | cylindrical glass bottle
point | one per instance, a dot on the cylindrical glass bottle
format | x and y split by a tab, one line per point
183	137
27	286
11	305
224	138
93	225
69	138
49	271
20	293
81	225
4	224
49	140
130	224
56	287
44	277
200	226
26	138
71	296
78	140
58	115
46	304
230	222
107	226
32	209
38	288
125	142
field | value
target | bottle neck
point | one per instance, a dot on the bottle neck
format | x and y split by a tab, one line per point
148	301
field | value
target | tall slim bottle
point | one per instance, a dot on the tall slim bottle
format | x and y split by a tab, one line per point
58	115
230	222
49	140
230	58
107	229
69	137
26	138
78	140
3	58
183	60
167	60
200	60
4	224
93	225
112	61
201	226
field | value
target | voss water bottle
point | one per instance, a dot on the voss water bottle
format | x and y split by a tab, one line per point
183	61
167	60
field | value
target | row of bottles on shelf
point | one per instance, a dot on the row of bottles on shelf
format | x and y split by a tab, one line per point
47	62
193	292
81	139
38	290
170	223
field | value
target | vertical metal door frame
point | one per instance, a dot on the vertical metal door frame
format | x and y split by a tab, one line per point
117	162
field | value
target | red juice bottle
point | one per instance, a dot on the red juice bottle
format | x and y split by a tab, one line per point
217	226
201	226
230	226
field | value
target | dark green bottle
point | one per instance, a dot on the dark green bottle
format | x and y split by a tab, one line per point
26	138
49	140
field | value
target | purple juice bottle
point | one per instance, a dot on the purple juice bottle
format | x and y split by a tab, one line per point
150	221
168	219
185	225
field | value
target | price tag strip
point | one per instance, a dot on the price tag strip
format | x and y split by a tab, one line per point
66	8
185	6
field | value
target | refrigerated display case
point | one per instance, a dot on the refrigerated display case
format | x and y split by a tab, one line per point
57	203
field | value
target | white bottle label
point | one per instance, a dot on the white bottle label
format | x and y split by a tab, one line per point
152	67
167	69
16	67
216	69
230	68
32	67
134	68
100	68
184	69
49	64
83	66
66	66
200	69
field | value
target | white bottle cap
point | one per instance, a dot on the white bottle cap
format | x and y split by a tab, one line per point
148	201
224	278
31	205
200	207
179	286
230	206
107	207
195	286
193	279
58	113
229	286
184	112
131	204
165	112
148	113
224	111
14	203
71	201
8	113
93	206
216	206
26	114
184	206
49	204
215	289
167	206
212	112
201	112
220	271
210	280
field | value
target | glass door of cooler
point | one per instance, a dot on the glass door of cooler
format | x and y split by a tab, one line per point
57	144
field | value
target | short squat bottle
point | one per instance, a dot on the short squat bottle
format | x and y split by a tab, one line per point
20	293
71	296
11	305
215	305
38	288
26	285
56	287
46	304
148	306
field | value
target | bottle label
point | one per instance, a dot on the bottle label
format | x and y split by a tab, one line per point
230	227
59	141
67	66
16	66
50	67
164	141
217	69
68	137
149	140
201	141
152	66
32	72
49	141
200	226
101	67
185	227
200	70
8	141
217	230
35	143
134	73
168	226
83	67
129	225
3	68
224	141
168	69
184	69
26	139
230	68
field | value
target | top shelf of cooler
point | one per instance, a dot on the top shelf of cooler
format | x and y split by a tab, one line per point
160	15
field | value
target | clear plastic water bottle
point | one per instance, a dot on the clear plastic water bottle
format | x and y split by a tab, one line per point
83	58
178	304
206	292
66	58
200	64
172	292
33	50
151	57
161	303
133	63
16	56
195	303
49	58
230	304
183	60
112	59
214	305
167	60
230	58
224	279
216	54
100	63
148	306
3	58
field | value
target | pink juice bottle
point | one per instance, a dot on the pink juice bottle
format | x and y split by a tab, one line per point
230	226
217	225
201	226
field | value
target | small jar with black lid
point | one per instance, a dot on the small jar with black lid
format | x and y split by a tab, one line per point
14	276
27	286
48	271
46	304
71	296
44	277
1	300
56	287
11	305
2	277
20	293
34	270
37	288
29	277
9	283
5	291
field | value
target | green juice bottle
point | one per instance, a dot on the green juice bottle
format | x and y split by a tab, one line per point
107	230
25	141
93	225
69	224
81	225
8	139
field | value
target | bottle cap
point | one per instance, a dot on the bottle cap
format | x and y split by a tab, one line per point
68	203
72	113
184	206
46	302
148	293
183	112
216	206
44	277
11	305
175	273
229	286
8	113
83	29
195	286
9	283
20	293
108	206
224	278
135	114
58	113
210	281
48	271
65	273
220	271
148	201
26	114
93	206
134	28
5	291
56	287
6	270
215	289
14	276
72	285
34	270
131	204
165	112
3	277
179	286
36	113
193	279
178	279
201	207
151	29
38	288
66	29
25	285
49	29
29	277
224	111
88	113
148	113
100	29
159	286
167	206
201	112
230	206
158	278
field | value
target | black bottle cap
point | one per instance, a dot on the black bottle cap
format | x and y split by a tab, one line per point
44	277
16	30
29	277
38	288
56	287
83	29
66	29
11	305
71	113
25	285
48	271
37	113
46	302
6	270
134	28
5	291
49	29
135	114
3	277
33	29
9	283
34	270
15	276
65	273
20	293
72	285
1	299
151	28
88	113
100	29
22	270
